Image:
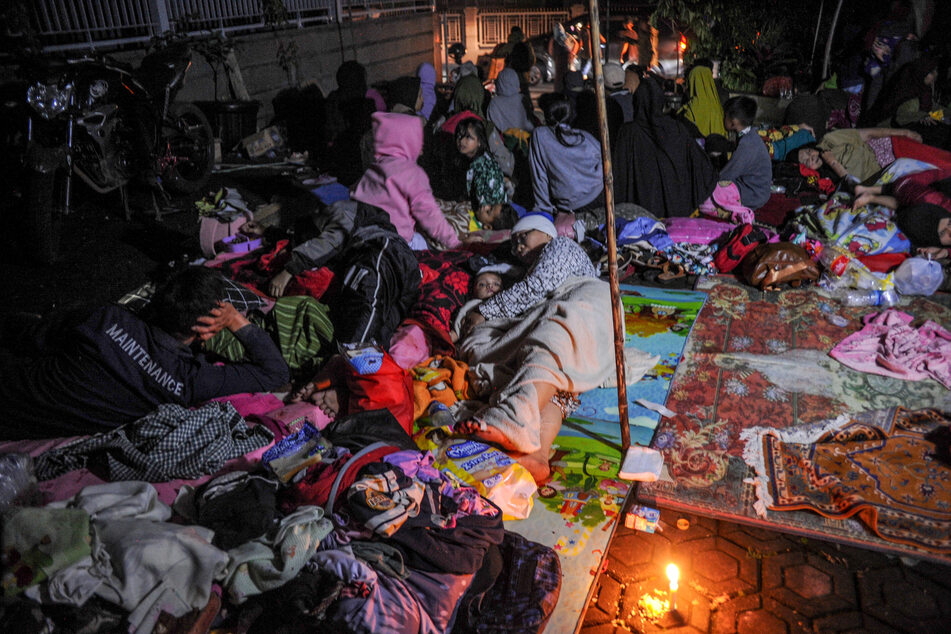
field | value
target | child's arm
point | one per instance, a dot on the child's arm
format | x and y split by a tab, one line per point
425	211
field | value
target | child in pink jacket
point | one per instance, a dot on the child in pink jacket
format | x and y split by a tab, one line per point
399	186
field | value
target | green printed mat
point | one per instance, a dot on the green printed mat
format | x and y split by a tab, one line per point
575	512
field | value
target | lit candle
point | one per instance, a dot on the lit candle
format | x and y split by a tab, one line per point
673	574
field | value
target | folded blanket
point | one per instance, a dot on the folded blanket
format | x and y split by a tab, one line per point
566	341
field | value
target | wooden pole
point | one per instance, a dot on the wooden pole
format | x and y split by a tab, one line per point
617	311
825	60
815	38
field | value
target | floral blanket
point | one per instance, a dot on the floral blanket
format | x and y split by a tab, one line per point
870	229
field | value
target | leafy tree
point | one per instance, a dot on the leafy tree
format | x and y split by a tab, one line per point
747	36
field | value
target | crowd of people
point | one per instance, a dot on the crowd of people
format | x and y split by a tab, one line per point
430	174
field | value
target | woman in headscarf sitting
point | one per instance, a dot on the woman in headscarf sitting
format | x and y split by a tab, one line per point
657	164
703	108
447	176
507	110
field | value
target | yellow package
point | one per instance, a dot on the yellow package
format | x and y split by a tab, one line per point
490	471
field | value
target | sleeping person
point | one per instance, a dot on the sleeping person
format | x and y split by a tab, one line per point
552	262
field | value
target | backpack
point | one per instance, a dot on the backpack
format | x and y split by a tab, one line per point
524	593
738	243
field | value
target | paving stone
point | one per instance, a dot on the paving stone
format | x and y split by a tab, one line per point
601	628
737	578
716	566
756	541
807	581
594	615
758	622
608	594
795	621
633	553
698	526
905	600
851	621
809	584
726	616
719	566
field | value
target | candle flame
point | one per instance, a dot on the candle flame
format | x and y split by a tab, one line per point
673	573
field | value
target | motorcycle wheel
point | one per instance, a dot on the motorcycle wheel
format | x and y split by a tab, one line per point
44	213
188	150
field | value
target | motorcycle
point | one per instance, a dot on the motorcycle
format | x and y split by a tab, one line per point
109	123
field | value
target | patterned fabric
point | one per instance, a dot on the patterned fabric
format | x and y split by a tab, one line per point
890	346
755	359
241	297
443	291
697	259
566	402
300	325
871	229
172	442
560	259
884	476
882	147
485	181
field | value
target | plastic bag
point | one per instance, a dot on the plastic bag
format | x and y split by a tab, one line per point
490	471
918	276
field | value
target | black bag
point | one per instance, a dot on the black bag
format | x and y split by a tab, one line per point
523	596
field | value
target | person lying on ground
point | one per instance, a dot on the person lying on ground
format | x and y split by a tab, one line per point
378	273
552	261
861	154
485	284
923	201
83	372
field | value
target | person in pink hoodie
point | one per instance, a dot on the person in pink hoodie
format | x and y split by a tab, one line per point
396	184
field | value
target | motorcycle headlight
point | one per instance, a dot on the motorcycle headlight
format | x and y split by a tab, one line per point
49	100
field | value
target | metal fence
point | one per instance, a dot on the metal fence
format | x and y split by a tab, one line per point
494	27
85	24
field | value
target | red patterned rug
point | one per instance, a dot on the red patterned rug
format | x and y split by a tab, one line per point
758	359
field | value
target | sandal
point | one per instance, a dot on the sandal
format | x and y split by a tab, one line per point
671	272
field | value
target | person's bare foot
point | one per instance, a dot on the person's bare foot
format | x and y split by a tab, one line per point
488	433
328	401
535	466
307	392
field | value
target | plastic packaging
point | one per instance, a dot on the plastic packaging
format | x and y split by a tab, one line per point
491	472
841	263
867	297
440	416
17	481
918	276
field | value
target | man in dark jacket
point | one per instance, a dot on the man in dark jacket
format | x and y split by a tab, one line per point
85	372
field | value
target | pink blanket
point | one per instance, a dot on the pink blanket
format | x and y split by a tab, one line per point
889	346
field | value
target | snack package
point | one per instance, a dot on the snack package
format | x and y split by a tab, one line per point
490	471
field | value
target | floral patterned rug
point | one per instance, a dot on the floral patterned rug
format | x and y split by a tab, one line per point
761	359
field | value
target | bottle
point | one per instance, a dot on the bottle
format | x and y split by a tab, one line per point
867	297
842	263
440	416
17	481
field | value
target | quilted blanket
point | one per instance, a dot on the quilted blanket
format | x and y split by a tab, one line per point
566	341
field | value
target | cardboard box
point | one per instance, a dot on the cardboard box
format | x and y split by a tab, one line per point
262	142
642	518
